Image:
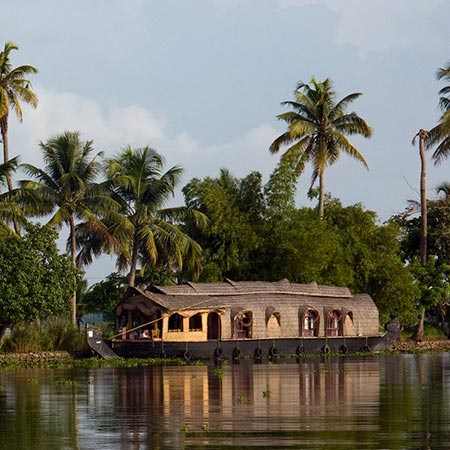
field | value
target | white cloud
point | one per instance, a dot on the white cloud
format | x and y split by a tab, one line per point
377	24
112	127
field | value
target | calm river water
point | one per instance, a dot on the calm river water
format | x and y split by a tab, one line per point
374	402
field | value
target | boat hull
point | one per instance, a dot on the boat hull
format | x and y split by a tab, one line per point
235	349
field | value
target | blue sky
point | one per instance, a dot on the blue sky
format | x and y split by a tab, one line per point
202	81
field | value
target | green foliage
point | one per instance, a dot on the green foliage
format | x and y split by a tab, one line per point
280	189
433	282
104	296
53	334
234	209
438	215
35	280
373	261
142	230
300	247
345	248
439	135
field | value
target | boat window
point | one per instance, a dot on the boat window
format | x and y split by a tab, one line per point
347	327
310	323
242	325
213	326
333	323
175	322
195	322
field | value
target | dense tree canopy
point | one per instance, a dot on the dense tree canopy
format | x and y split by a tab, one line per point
35	279
256	240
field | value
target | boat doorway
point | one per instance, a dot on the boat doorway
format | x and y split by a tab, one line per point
213	326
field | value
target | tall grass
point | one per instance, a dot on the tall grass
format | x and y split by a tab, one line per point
50	335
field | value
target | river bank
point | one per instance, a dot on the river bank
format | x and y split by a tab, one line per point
422	346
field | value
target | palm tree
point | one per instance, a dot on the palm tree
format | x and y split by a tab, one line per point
440	134
444	188
317	130
66	188
422	135
14	88
143	231
10	212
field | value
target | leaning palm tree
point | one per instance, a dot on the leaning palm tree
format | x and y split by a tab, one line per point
14	89
143	231
317	128
65	188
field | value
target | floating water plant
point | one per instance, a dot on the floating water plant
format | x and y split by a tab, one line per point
65	382
242	399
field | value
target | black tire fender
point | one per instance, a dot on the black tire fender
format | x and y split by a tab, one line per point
258	353
300	350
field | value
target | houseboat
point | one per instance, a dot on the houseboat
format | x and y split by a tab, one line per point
244	319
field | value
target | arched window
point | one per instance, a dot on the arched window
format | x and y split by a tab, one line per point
310	323
242	325
333	318
213	326
347	327
195	322
175	322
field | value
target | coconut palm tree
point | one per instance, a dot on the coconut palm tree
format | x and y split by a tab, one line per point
444	188
317	128
143	230
14	89
439	136
422	135
10	213
65	188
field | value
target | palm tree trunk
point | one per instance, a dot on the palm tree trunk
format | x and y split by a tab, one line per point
73	252
423	199
4	132
418	334
133	264
321	194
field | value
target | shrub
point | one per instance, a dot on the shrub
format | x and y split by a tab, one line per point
53	334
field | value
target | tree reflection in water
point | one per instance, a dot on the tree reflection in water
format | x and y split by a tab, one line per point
375	402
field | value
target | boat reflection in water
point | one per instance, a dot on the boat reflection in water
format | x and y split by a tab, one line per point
370	402
260	401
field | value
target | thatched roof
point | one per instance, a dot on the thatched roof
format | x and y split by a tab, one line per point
231	288
237	295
